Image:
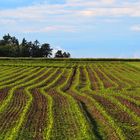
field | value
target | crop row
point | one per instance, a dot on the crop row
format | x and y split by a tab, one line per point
90	101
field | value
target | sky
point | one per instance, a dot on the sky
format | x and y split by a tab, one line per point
85	28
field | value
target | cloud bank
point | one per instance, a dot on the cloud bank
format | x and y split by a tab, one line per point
67	15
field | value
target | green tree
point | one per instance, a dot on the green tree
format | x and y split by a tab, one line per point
25	48
46	50
59	54
35	50
66	55
6	39
9	46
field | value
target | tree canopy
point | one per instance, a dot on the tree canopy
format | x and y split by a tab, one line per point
60	54
10	47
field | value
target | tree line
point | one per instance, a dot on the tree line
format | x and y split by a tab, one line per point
10	47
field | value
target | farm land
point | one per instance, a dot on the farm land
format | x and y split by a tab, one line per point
69	99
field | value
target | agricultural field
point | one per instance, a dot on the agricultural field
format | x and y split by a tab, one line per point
69	100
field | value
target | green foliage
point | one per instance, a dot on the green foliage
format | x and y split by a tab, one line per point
60	54
10	47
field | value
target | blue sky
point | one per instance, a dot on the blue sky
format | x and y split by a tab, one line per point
85	28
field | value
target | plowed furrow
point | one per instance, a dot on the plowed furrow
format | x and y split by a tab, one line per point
94	117
82	78
130	105
3	93
132	69
64	124
120	116
22	77
107	84
14	74
123	77
120	86
44	76
117	113
135	97
51	79
94	81
99	121
36	118
15	107
9	117
34	76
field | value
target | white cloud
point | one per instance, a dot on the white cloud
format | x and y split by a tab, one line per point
66	17
7	21
72	7
49	29
135	28
112	12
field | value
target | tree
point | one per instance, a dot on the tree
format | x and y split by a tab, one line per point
14	41
25	48
66	55
4	51
10	47
35	51
46	50
24	42
8	51
36	44
6	39
59	54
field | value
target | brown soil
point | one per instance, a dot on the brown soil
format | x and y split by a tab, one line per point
83	79
94	81
34	76
129	81
36	117
122	77
129	104
51	79
65	125
36	81
121	85
97	116
16	73
122	117
113	109
16	106
135	97
22	77
107	84
130	69
9	117
3	93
